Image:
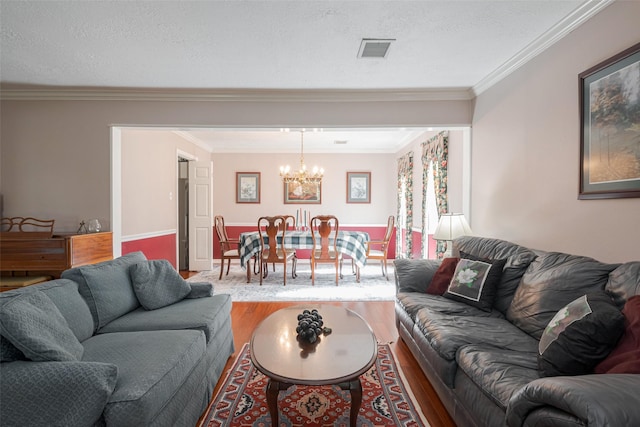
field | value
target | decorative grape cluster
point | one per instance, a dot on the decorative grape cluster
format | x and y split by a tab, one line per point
311	326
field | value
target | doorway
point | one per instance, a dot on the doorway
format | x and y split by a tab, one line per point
183	213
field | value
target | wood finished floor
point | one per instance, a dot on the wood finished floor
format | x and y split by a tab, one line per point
245	316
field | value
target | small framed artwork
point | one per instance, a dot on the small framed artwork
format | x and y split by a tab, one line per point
358	187
307	193
610	127
247	187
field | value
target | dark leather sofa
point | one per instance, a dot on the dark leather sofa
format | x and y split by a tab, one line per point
484	364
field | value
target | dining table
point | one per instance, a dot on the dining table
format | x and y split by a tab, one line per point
350	243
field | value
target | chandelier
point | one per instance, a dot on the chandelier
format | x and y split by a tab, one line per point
301	176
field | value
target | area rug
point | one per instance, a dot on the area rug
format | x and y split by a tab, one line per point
372	287
386	399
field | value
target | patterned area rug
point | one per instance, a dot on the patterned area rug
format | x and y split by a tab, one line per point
372	286
386	399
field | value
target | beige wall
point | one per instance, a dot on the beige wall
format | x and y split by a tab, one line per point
149	179
334	196
56	154
525	150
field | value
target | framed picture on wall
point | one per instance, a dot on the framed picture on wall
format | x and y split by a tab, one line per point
358	187
247	187
610	127
307	193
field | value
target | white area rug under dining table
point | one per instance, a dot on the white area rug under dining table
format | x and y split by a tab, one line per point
372	287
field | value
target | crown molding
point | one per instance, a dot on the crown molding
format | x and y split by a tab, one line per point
561	29
17	93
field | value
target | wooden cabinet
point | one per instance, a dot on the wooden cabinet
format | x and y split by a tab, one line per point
29	256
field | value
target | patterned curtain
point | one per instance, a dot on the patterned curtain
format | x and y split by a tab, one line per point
436	152
405	206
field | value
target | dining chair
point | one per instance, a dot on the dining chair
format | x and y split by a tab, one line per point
28	227
272	231
229	249
378	249
324	234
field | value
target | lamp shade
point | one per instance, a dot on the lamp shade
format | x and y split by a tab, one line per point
451	226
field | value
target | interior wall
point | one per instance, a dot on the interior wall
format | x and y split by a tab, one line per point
149	179
526	152
333	192
55	154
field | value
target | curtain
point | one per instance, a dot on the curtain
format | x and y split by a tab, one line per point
435	151
405	207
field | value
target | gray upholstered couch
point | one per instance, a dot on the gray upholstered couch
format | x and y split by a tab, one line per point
484	364
82	351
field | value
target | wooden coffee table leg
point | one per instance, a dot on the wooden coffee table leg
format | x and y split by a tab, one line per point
273	387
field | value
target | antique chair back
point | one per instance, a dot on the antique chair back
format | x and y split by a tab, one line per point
324	232
228	248
272	231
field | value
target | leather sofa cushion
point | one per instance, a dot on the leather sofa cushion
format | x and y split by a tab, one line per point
499	373
624	282
414	275
412	302
203	314
152	365
518	259
552	281
447	333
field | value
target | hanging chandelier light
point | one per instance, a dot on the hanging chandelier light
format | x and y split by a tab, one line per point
301	176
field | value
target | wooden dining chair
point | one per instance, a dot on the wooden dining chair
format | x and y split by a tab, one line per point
272	230
324	233
378	249
28	227
229	249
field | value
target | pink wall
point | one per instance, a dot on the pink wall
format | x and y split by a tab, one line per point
161	247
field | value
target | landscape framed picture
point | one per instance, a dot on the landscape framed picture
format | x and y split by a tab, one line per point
302	193
610	127
358	187
247	187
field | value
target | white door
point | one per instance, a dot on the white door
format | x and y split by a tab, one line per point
200	216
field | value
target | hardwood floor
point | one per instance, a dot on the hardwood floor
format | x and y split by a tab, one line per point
245	316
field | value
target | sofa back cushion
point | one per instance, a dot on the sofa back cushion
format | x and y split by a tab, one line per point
624	282
517	258
107	287
552	281
34	325
65	295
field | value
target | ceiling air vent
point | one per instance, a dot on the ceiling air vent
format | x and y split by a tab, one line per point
374	48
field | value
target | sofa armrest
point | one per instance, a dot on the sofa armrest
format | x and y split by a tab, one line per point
200	290
595	400
69	393
414	275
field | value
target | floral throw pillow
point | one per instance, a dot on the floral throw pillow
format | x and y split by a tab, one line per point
580	336
475	281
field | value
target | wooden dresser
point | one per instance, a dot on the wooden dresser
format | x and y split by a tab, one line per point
52	255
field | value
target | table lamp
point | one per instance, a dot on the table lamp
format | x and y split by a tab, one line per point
450	227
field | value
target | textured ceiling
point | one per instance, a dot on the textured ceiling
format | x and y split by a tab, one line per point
278	45
266	44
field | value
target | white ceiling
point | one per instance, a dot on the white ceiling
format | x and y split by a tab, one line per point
451	45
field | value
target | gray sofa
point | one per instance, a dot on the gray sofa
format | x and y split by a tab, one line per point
120	343
484	364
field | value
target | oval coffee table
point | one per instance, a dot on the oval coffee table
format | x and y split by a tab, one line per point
335	359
